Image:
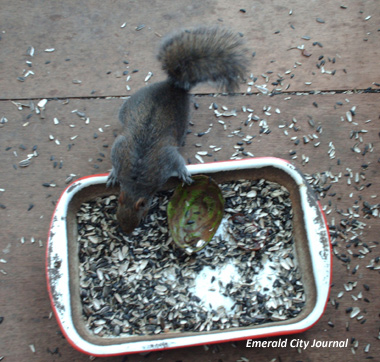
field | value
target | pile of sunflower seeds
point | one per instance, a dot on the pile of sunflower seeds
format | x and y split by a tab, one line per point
143	284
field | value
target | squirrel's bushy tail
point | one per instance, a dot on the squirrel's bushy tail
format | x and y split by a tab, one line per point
202	54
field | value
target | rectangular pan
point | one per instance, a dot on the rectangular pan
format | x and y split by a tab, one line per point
311	241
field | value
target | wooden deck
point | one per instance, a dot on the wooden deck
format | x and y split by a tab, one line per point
79	65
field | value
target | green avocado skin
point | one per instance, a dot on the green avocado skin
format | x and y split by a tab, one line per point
195	212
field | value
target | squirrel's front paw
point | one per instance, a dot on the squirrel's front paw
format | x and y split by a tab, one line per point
185	176
112	179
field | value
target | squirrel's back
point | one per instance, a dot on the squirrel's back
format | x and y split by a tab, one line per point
204	54
145	155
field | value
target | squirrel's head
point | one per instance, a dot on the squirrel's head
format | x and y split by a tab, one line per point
131	211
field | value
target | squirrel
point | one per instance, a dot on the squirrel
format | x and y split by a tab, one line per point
155	118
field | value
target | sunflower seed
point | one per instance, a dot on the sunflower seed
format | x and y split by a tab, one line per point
150	74
165	290
24	163
355	312
30	51
199	158
42	103
140	27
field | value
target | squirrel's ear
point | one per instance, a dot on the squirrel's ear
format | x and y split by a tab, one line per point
140	203
122	197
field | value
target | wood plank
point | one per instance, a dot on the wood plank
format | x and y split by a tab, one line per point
24	302
91	44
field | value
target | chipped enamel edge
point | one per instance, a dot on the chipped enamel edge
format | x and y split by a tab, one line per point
58	277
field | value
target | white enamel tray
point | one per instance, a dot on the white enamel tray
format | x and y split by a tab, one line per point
312	244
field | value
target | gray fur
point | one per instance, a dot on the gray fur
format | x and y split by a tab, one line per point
145	155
